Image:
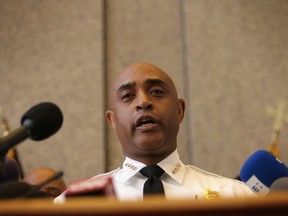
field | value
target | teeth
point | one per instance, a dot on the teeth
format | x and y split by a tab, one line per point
145	122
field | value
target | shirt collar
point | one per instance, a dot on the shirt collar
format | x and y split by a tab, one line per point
172	165
130	168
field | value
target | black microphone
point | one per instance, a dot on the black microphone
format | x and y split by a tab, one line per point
38	123
9	169
21	190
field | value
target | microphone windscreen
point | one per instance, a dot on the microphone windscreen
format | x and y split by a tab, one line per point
42	120
260	170
11	170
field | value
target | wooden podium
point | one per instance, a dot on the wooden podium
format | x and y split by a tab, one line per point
273	205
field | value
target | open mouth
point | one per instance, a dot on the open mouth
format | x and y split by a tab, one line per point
146	121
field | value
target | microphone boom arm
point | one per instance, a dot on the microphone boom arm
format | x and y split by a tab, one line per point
13	139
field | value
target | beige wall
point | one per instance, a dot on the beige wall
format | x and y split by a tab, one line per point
228	60
52	51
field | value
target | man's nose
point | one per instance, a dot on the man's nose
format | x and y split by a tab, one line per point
143	102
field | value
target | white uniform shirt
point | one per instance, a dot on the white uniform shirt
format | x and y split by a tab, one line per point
179	181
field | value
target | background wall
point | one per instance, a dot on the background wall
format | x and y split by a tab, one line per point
228	60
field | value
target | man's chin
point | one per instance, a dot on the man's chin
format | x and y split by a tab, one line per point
149	143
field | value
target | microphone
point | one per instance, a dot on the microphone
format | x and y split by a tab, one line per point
280	184
16	189
13	162
38	123
260	170
9	170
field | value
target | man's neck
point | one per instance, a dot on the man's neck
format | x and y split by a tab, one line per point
151	159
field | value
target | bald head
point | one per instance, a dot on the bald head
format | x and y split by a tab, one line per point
140	69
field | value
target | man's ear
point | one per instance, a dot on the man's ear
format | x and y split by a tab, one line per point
181	109
110	117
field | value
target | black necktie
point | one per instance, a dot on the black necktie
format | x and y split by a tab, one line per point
153	184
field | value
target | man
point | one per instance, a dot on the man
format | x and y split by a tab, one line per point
146	113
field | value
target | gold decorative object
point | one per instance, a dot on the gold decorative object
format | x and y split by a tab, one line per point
3	123
280	117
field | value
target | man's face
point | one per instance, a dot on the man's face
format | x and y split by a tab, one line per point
146	112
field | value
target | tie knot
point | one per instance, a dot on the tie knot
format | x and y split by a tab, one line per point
152	170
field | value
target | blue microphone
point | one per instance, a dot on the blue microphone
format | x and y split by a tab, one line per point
260	171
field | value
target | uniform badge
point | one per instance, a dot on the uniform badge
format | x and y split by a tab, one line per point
210	194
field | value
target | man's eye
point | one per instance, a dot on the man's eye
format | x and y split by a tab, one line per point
127	97
157	92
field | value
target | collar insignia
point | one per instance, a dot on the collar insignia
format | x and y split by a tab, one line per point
176	168
130	166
